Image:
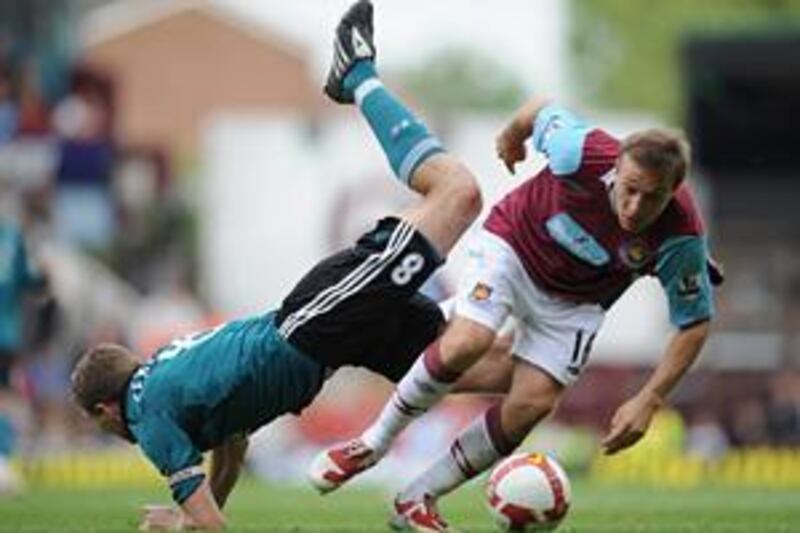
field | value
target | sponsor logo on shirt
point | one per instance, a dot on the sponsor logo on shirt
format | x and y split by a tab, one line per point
481	292
576	240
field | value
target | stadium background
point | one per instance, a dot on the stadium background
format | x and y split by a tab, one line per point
174	164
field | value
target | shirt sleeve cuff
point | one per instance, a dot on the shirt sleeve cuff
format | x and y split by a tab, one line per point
185	482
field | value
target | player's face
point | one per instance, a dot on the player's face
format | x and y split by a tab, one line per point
640	196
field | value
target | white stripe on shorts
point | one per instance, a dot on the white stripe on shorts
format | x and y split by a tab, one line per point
352	283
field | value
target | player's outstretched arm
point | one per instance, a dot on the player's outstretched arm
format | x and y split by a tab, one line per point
201	510
226	465
632	419
510	143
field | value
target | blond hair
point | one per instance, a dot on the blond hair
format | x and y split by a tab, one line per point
665	152
101	375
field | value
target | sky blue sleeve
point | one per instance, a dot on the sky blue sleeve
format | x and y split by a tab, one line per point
169	448
681	268
560	134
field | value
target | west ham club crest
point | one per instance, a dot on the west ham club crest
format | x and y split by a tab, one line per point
634	253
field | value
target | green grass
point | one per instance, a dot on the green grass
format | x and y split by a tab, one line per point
255	507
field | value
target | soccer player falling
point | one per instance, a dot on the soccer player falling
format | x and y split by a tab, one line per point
555	254
359	307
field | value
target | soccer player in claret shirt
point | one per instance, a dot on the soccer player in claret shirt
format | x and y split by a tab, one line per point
358	307
555	253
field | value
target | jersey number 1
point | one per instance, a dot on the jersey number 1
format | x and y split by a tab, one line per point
580	352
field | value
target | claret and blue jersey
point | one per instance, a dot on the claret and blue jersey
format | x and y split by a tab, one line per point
203	388
562	226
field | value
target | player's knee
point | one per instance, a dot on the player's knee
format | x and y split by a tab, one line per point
463	344
454	186
522	412
467	194
457	184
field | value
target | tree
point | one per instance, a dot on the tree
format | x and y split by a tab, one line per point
627	52
458	79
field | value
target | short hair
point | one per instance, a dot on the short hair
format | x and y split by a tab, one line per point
101	375
663	151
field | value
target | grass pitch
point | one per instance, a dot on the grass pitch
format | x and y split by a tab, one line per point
256	507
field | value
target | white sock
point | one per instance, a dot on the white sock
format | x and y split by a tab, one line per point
413	396
475	450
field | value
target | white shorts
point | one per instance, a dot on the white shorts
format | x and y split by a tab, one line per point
551	333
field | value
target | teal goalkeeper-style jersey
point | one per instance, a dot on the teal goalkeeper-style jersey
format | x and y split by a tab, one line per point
203	388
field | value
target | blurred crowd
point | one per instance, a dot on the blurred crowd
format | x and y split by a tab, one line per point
768	414
100	225
718	410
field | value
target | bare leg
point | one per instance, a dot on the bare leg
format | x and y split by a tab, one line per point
534	394
428	381
493	373
452	199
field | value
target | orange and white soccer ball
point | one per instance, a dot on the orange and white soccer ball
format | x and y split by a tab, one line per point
528	492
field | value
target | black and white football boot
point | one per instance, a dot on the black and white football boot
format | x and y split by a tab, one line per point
353	42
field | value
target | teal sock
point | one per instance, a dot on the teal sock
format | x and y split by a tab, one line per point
7	436
404	138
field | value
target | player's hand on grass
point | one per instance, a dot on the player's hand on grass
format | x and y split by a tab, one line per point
163	517
511	148
630	422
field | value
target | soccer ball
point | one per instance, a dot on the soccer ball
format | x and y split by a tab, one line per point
528	492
